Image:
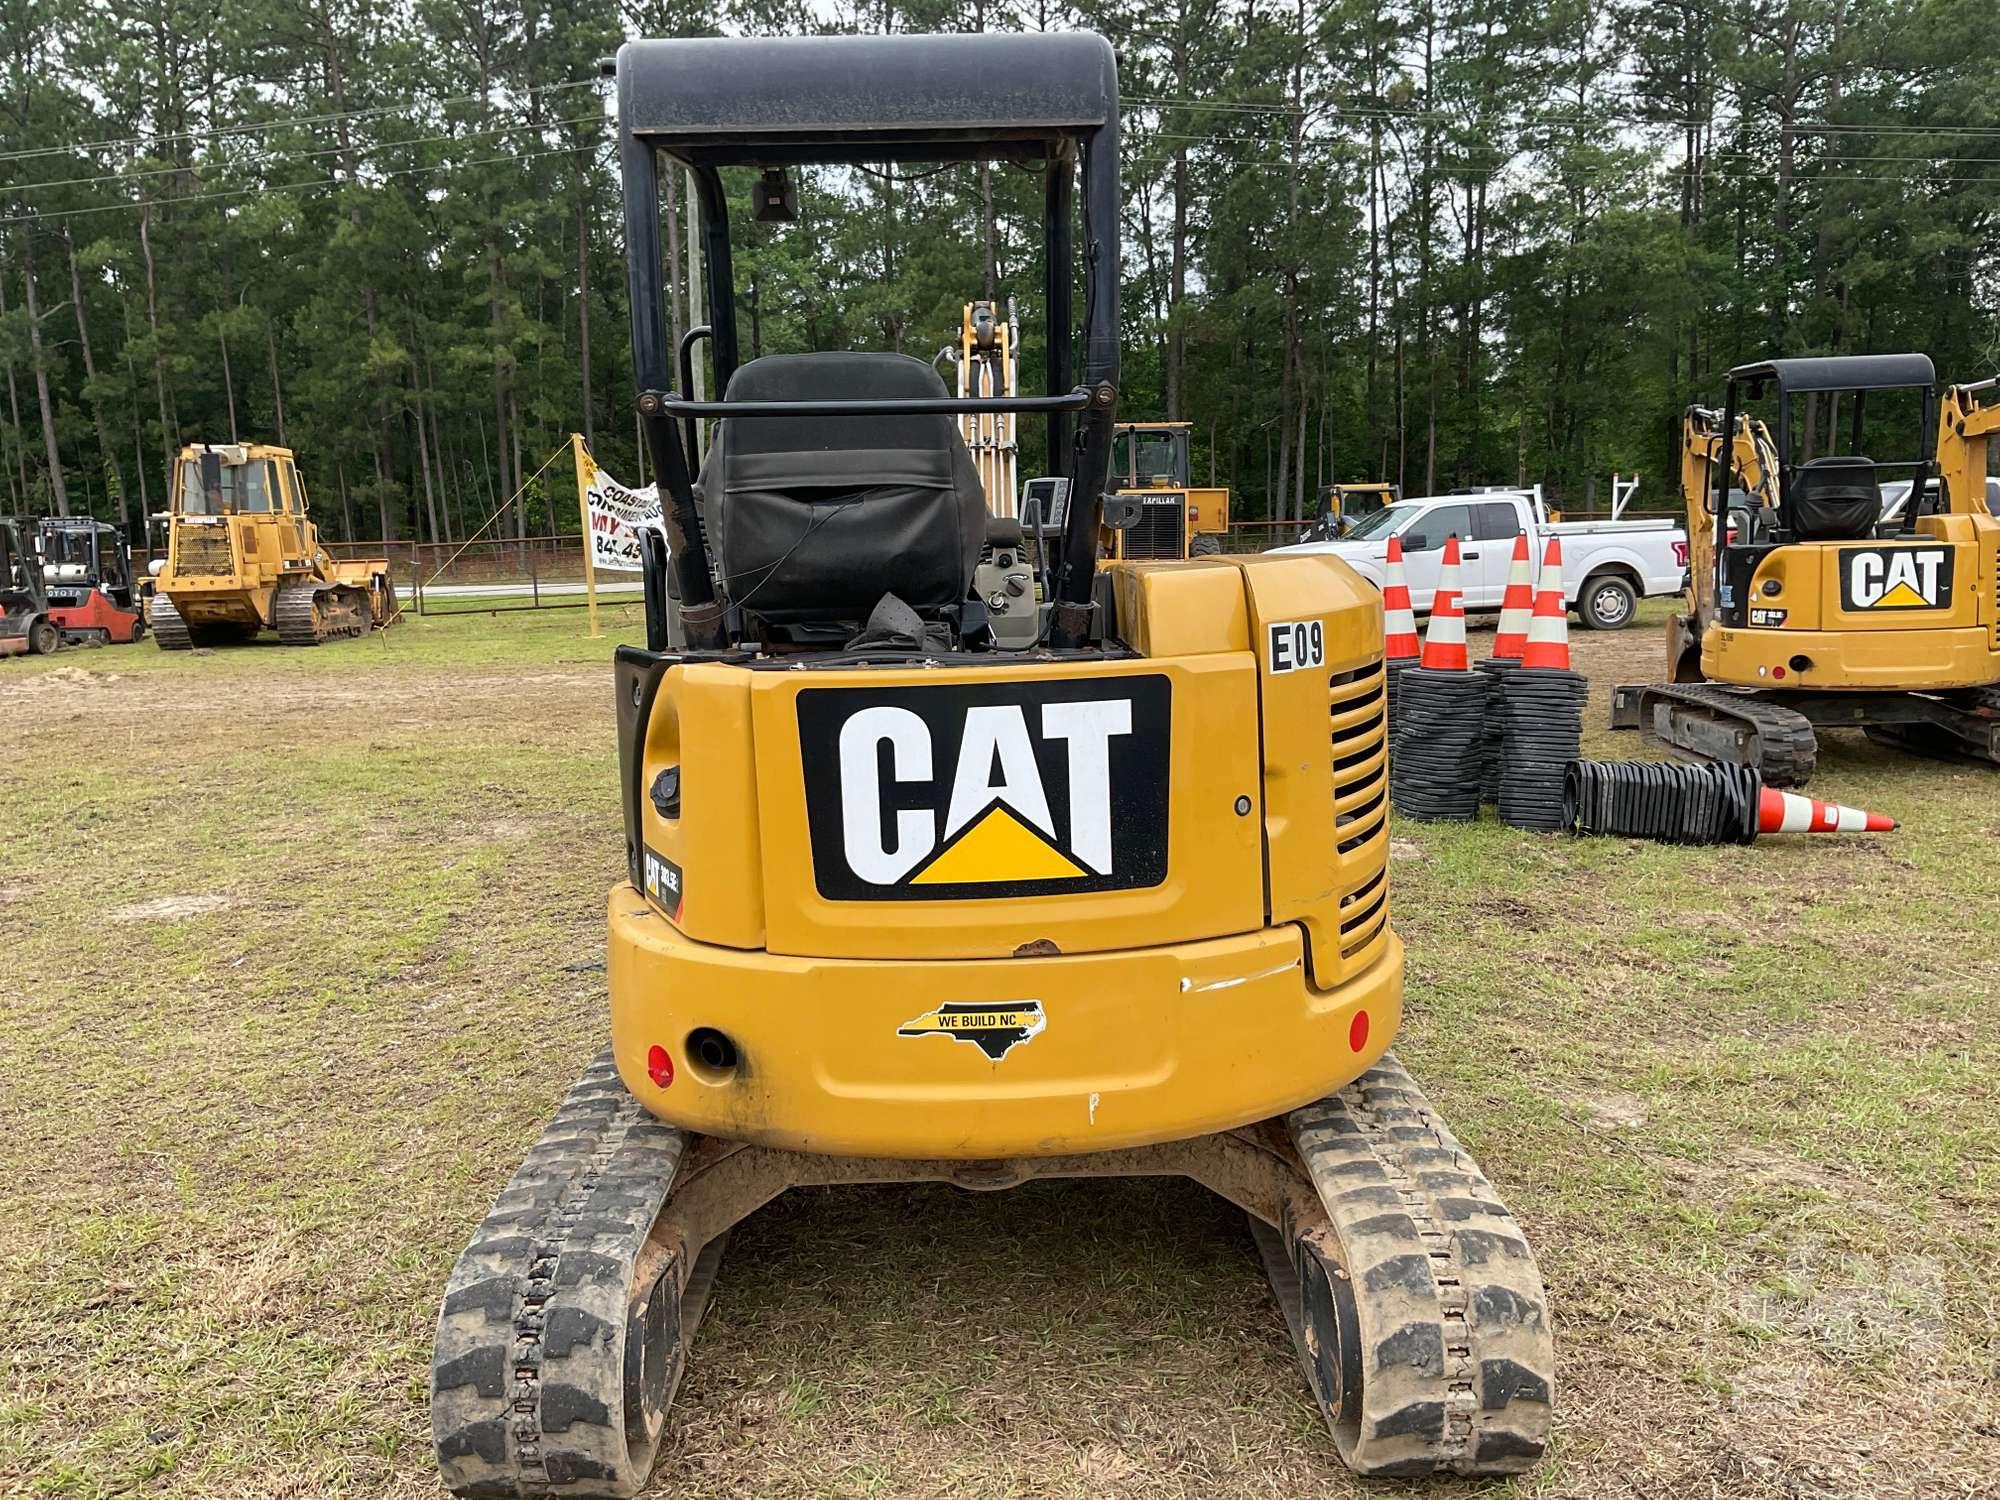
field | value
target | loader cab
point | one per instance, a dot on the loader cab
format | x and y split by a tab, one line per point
1841	428
1151	455
236	479
835	502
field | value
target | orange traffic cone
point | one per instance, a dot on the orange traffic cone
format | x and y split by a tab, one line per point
1547	645
1788	812
1399	621
1444	637
1510	638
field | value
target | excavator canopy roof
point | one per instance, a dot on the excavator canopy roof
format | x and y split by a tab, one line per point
1841	372
779	101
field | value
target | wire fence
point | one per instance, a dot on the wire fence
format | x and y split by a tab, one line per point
496	574
488	576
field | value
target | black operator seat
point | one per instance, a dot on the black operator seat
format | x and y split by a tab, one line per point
1835	499
816	518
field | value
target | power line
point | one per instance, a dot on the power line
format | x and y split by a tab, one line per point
1604	173
258	127
1319	143
1798	127
320	183
272	155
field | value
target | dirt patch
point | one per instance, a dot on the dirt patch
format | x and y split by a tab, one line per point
1511	911
1851	1307
1616	1112
1404	849
62	677
169	908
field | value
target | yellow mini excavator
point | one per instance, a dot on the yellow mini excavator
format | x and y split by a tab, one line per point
242	557
911	900
1812	604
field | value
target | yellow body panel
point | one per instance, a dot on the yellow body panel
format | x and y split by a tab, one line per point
1155	1044
1853	660
1882	649
1215	878
1208	509
1224	992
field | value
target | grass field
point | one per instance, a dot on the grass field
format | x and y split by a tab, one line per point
299	948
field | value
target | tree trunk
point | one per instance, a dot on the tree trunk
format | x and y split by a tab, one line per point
228	382
139	444
14	406
58	492
423	440
503	370
96	397
989	230
445	491
675	308
1779	313
169	439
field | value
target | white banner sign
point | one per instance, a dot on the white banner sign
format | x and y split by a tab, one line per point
618	517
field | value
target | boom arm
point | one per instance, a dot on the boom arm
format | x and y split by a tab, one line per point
1963	429
1753	467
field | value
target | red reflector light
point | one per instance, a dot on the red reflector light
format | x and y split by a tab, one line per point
1357	1031
659	1066
1777	671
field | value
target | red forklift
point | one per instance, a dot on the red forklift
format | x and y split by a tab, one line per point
87	569
25	626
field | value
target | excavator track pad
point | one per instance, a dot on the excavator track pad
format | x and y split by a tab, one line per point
1410	1291
1735	726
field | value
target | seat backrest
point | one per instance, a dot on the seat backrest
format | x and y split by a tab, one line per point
816	518
1834	499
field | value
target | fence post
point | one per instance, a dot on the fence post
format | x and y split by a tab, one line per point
535	576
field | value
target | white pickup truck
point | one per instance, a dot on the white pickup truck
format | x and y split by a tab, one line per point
1608	566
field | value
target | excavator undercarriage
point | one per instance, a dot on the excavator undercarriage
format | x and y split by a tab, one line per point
1418	1314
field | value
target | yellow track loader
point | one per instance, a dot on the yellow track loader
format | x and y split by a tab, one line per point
242	557
1814	606
907	899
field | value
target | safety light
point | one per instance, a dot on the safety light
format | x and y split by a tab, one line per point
659	1066
1357	1031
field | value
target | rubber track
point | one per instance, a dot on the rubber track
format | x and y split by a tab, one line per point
169	629
527	1383
1455	1344
1787	747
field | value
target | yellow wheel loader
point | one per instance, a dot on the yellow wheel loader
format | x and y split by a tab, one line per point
1812	604
909	900
1343	506
1155	512
242	557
